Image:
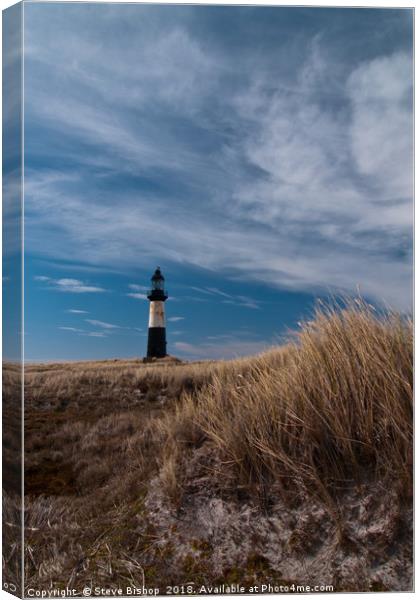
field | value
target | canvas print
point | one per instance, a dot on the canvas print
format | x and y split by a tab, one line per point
207	291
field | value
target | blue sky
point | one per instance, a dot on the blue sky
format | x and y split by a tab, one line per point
261	156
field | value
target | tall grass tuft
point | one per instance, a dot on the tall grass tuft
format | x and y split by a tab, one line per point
331	408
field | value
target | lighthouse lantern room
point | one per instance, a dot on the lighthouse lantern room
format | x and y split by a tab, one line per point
156	344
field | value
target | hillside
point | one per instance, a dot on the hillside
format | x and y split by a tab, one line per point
291	467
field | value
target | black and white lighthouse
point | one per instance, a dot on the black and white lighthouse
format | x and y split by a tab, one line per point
156	343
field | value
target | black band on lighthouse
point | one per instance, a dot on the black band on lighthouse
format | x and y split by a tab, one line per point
156	344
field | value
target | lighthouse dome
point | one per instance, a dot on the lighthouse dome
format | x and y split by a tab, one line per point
158	286
157	275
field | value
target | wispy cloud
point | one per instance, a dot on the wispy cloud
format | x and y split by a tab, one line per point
175	319
75	286
137	296
243	301
138	288
76	311
201	290
138	292
106	329
301	178
96	334
218	292
234	299
103	324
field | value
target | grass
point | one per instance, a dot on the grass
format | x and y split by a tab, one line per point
109	443
330	408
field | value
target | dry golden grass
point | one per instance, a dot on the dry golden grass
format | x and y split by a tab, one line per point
329	411
332	407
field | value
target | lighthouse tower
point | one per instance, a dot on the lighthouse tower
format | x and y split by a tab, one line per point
156	343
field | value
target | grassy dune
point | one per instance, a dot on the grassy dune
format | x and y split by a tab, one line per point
329	409
293	466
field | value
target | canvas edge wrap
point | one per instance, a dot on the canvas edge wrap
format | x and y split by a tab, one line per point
12	341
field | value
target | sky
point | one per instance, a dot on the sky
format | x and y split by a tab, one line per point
262	157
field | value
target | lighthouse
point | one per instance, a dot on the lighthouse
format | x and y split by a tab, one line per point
156	343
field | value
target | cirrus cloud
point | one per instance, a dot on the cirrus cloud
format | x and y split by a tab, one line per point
291	166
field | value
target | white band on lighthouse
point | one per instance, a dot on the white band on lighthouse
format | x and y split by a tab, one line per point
157	314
